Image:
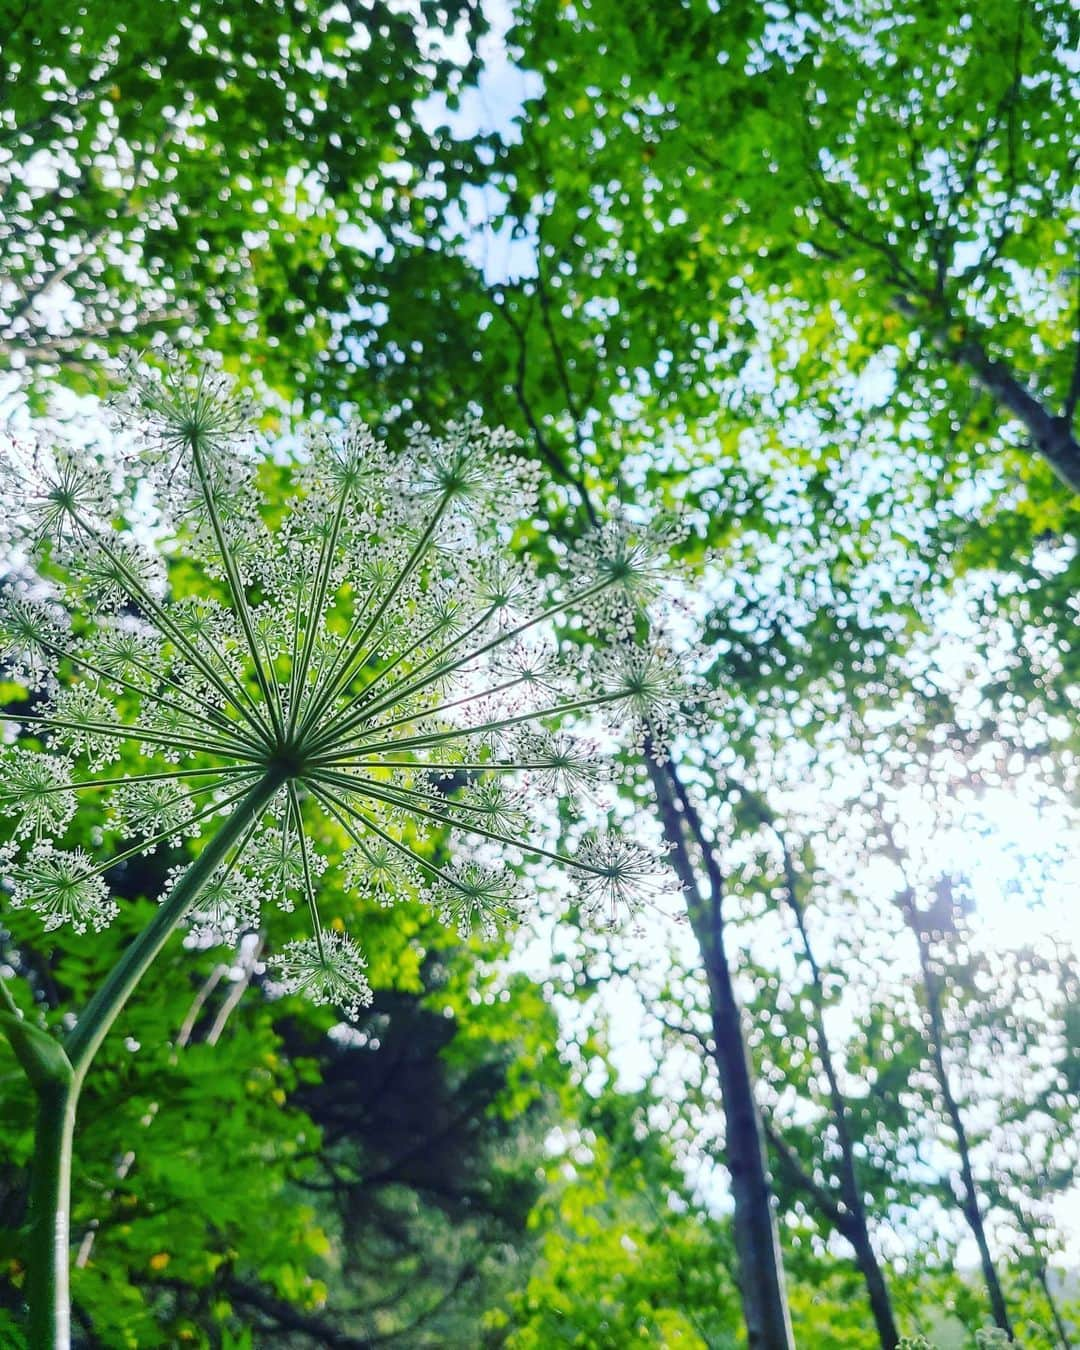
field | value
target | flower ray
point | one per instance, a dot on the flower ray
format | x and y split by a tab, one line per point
191	652
334	684
236	586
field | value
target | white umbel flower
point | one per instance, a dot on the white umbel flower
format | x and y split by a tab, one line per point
473	896
35	790
63	888
371	656
328	970
616	875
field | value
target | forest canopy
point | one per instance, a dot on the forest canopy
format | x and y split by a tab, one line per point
792	290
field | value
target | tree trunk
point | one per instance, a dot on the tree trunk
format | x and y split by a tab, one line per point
877	1291
757	1245
970	1205
851	1221
1051	436
856	1227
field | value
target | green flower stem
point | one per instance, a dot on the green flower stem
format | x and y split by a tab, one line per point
323	754
48	1243
366	693
101	1011
58	1089
333	802
439	708
190	649
8	1002
121	731
111	677
309	887
152	840
298	676
236	585
85	784
369	788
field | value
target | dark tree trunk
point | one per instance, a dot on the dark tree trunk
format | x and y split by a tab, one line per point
874	1278
757	1244
1051	436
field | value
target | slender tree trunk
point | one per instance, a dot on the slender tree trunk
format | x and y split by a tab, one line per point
757	1245
761	1276
1055	1312
970	1204
1042	1274
877	1290
855	1224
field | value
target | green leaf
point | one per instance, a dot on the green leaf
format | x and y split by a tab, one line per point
41	1055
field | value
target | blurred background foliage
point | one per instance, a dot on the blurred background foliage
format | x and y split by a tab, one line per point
807	273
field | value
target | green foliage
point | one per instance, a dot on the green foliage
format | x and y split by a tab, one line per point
625	1257
191	169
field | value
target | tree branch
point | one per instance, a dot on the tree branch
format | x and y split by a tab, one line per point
554	461
316	1328
1051	436
681	1029
828	1203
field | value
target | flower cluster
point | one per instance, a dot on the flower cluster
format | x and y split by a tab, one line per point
373	654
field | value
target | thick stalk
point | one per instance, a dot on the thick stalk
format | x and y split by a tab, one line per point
50	1196
50	1205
